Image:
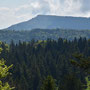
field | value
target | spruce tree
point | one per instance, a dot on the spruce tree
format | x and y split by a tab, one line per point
84	64
4	72
49	84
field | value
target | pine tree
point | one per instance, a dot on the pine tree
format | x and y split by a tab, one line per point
84	64
71	82
49	84
4	72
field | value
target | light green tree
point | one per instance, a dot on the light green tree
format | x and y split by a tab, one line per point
88	83
49	84
4	72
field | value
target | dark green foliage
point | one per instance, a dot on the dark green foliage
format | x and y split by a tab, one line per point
35	60
82	62
71	82
49	84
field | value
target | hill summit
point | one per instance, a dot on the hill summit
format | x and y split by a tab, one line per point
53	22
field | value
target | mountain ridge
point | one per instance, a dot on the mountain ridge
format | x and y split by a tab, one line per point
53	22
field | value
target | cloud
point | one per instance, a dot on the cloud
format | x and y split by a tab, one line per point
85	6
26	11
66	7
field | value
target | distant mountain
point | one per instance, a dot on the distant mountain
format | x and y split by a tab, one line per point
53	22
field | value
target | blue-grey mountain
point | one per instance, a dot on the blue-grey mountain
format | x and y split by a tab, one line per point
53	22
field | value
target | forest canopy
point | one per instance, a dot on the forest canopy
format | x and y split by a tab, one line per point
36	60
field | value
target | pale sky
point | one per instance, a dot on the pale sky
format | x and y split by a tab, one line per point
15	11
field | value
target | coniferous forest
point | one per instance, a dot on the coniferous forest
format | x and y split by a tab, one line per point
42	34
46	64
44	44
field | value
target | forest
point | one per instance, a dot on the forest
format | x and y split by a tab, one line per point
39	64
42	34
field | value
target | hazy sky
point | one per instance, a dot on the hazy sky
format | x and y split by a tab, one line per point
14	11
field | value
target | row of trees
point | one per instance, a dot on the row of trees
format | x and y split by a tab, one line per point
83	63
41	34
35	60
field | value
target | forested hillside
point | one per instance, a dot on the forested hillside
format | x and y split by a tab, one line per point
33	61
42	34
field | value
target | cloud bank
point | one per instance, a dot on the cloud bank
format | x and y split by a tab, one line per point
26	11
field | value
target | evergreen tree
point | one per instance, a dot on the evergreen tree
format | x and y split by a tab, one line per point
36	59
49	84
84	64
71	82
3	73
